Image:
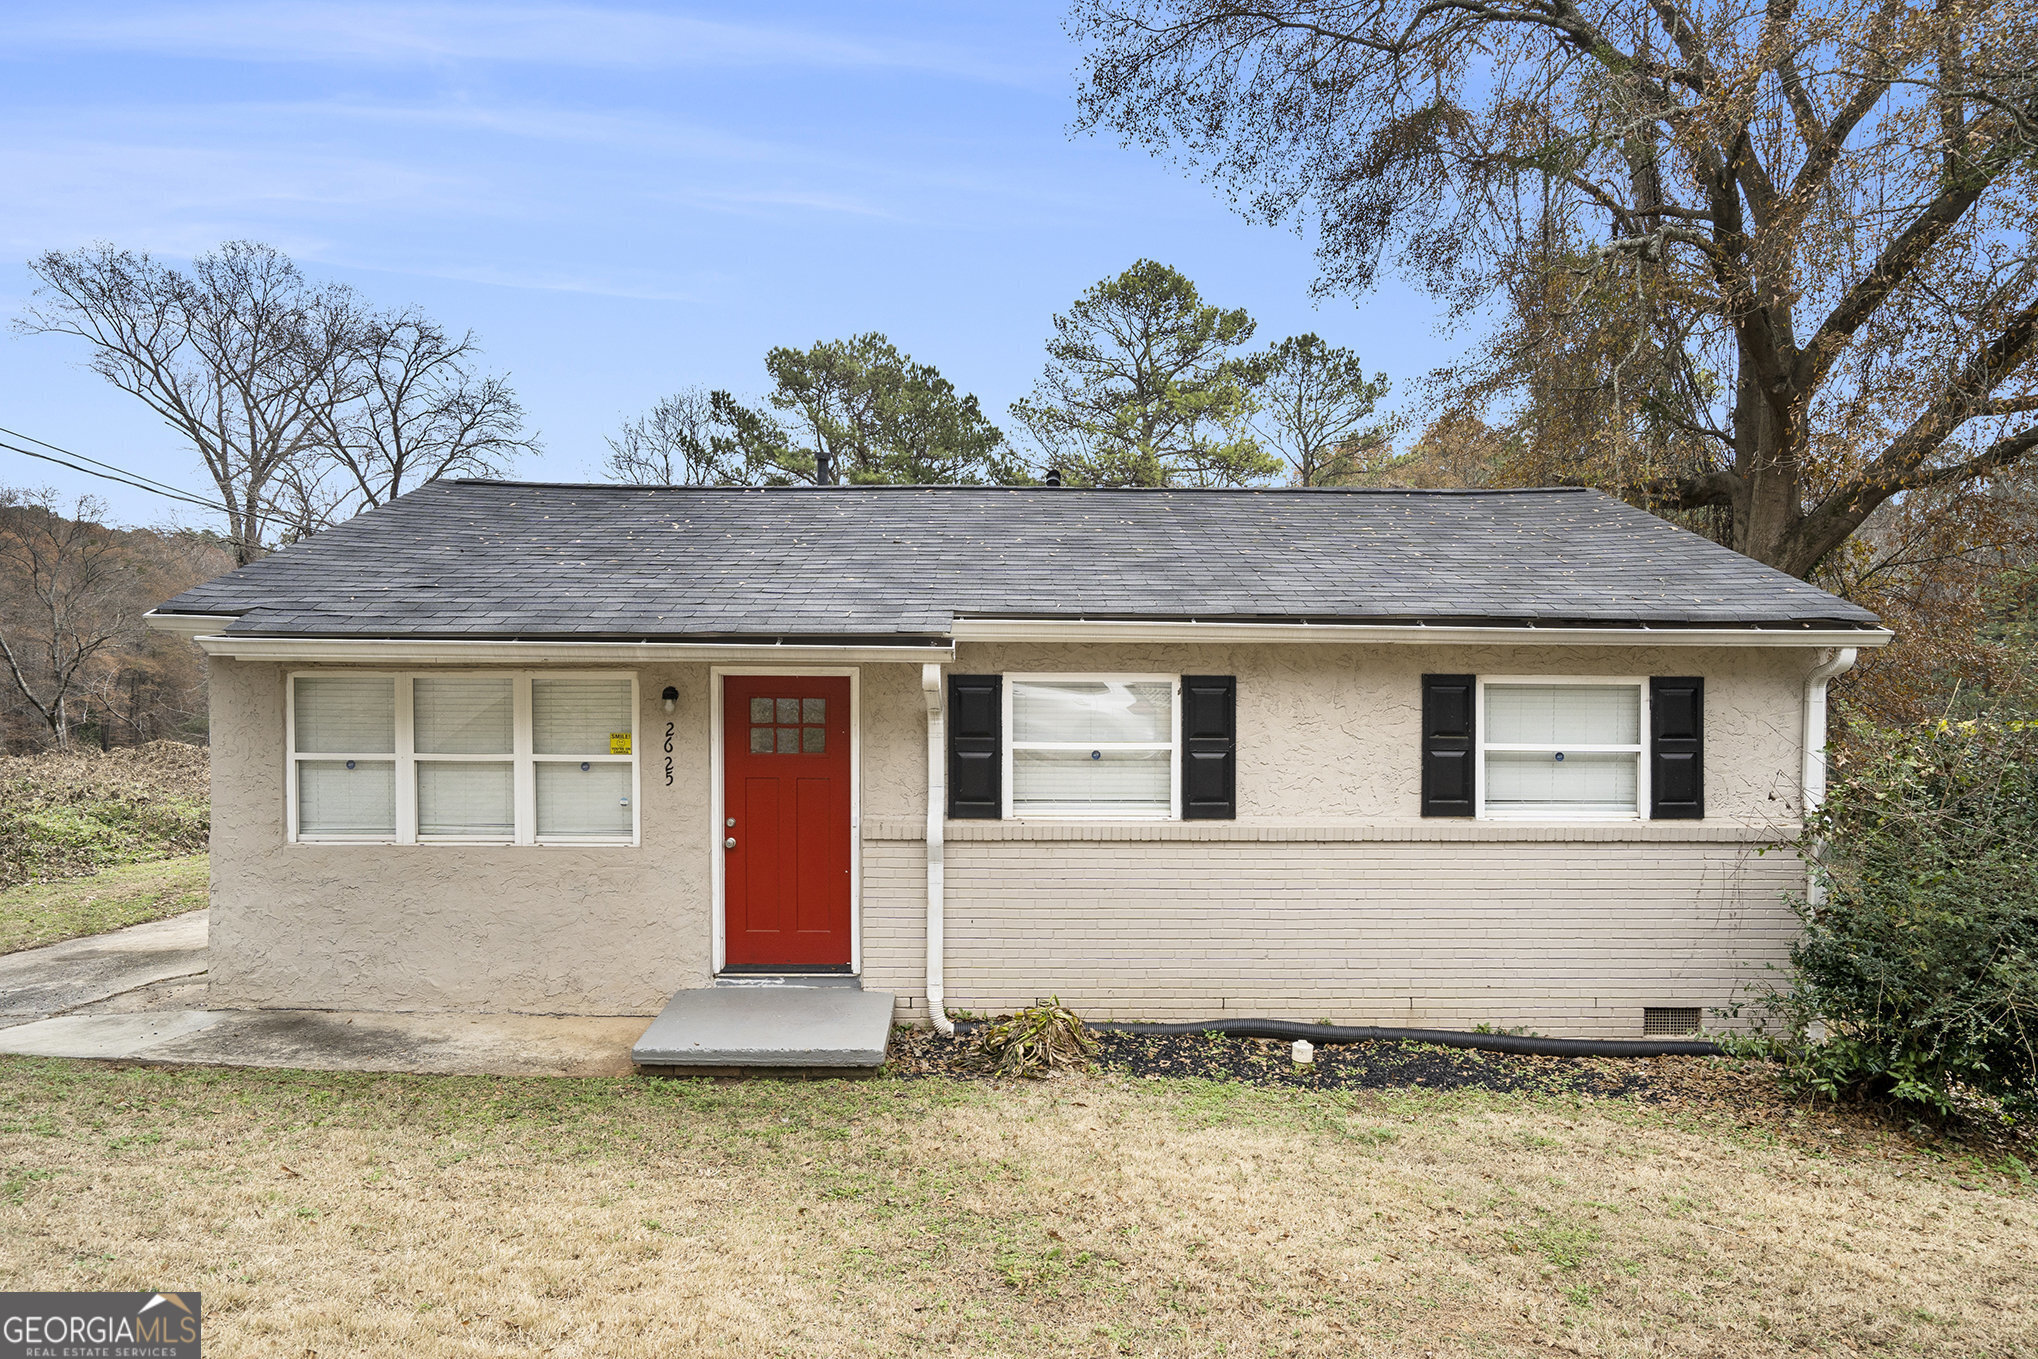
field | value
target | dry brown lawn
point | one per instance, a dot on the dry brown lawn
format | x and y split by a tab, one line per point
332	1214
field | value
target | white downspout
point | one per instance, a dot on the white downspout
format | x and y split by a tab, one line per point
1813	791
937	805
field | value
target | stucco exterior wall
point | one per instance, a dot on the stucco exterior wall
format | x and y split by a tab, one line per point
1330	897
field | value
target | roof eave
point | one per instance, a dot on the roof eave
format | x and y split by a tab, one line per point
1818	634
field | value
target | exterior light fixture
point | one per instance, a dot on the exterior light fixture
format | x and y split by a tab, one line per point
671	696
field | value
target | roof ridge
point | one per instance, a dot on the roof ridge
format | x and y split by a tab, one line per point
1043	490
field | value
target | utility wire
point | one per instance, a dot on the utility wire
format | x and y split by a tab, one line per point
126	478
108	476
55	448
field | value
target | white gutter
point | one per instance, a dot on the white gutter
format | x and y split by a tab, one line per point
1814	782
394	651
937	805
1406	634
189	626
1813	786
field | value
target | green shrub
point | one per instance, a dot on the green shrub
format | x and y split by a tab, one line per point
1917	974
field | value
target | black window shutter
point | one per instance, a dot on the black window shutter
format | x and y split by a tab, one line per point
1209	747
1449	751
976	759
1677	749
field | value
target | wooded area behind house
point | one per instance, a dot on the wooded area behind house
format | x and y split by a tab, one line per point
77	664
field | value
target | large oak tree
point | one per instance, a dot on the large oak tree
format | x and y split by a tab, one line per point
1770	260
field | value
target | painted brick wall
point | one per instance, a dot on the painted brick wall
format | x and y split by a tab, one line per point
1570	937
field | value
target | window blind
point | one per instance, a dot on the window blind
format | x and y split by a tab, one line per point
1554	770
1088	710
333	799
590	801
578	716
463	715
466	798
1093	746
1563	714
1581	784
346	714
1091	780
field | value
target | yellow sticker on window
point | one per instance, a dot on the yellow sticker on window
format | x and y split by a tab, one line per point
619	743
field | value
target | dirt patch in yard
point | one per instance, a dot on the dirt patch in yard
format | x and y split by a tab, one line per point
1105	1214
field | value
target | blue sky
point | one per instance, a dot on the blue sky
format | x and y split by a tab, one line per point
619	200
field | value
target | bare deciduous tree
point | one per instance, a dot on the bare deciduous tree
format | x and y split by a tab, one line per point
410	408
1772	258
681	441
241	355
66	596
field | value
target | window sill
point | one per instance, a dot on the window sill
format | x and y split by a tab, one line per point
1092	818
1557	819
447	842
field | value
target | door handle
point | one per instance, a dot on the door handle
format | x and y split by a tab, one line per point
729	842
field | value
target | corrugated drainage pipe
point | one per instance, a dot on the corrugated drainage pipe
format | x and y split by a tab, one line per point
1319	1034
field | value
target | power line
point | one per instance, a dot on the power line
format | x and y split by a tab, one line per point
108	476
125	477
54	448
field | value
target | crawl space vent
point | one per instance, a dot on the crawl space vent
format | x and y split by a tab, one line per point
1666	1020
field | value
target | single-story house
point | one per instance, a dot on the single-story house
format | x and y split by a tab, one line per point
1412	758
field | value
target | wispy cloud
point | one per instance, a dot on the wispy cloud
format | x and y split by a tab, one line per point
570	35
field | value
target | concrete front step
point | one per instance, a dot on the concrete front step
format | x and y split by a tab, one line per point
722	1030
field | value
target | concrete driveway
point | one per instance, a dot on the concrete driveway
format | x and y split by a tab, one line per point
138	995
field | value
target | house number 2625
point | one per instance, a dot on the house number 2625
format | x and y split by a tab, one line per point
668	754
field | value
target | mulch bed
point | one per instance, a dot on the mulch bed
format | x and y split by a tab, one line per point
1751	1093
920	1053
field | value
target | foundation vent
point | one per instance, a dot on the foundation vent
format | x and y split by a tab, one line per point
1666	1021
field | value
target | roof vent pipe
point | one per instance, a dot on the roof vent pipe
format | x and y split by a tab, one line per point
1054	476
824	468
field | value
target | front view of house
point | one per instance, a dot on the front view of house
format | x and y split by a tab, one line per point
1427	759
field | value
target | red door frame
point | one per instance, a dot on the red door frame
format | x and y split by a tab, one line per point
834	872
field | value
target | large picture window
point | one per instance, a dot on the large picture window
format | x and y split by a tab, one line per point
1562	749
1091	746
498	758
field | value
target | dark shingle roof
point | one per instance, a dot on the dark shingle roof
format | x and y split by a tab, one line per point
505	559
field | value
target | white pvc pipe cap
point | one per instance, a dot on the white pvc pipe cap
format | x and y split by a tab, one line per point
1305	1051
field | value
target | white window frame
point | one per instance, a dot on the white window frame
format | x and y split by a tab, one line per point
522	759
1173	745
1640	749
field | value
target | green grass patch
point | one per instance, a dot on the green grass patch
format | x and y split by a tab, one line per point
40	913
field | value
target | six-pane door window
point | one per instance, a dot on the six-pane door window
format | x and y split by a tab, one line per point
1571	751
1091	747
503	758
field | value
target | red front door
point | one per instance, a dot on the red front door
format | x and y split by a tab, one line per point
785	833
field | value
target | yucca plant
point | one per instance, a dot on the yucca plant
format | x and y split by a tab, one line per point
1037	1041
